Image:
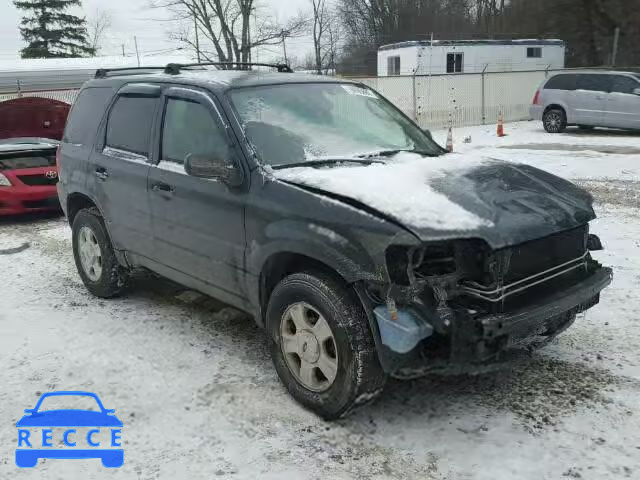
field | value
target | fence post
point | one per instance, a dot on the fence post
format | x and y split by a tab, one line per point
484	116
415	99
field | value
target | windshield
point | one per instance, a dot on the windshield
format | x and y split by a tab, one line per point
294	123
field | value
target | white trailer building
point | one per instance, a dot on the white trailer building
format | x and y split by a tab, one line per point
469	56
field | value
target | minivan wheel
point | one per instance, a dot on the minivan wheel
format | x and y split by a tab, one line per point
554	120
321	344
94	256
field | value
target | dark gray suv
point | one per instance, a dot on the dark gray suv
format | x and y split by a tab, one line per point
318	207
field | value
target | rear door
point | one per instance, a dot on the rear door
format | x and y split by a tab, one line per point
623	106
589	100
198	223
120	164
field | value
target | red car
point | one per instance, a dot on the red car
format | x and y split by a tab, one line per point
28	176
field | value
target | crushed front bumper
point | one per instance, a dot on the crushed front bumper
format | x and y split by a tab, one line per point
495	333
474	340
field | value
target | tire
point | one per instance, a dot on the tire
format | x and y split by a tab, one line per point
109	280
554	120
359	378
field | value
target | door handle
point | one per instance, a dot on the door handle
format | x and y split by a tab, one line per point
101	173
162	187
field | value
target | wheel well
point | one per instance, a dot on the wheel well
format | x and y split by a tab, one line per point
75	203
280	265
554	107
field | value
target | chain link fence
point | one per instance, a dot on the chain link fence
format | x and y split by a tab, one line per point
437	101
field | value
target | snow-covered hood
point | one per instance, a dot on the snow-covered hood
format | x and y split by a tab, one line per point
456	196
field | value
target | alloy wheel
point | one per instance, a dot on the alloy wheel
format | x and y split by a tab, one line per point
309	347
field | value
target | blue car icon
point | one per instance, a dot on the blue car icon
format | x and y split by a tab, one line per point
28	457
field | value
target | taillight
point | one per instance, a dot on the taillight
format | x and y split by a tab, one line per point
536	98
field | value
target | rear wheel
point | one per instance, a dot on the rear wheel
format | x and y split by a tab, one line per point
554	120
94	256
321	344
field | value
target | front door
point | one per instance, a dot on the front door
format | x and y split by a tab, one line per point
623	106
119	165
198	223
589	100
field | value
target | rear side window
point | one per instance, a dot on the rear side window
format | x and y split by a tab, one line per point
561	82
624	84
129	124
594	83
86	114
189	128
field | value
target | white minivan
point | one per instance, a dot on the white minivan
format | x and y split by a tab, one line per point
588	99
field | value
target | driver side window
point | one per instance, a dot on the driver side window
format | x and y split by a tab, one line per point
190	128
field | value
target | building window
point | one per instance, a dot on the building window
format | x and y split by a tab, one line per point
393	65
534	52
454	62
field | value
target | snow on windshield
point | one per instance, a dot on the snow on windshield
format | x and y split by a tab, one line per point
400	189
294	123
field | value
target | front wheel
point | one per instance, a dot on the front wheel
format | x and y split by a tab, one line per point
321	344
94	256
554	120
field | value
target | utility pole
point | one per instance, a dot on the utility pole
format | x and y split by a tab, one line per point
135	41
284	46
616	39
195	26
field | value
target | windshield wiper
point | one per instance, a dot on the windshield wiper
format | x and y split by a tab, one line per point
390	153
325	161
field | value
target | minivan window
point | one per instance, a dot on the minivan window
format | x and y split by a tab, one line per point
189	128
561	82
624	84
594	82
83	121
129	124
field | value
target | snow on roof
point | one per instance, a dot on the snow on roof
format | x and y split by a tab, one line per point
68	73
89	63
437	43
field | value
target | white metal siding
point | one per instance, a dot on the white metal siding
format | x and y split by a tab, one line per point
495	58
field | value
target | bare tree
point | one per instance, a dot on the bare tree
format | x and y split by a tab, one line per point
226	24
320	20
97	26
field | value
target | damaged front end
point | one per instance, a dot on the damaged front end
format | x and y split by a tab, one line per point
457	305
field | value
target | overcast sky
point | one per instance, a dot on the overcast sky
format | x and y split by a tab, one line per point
134	17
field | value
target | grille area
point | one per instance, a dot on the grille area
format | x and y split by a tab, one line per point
517	276
540	255
37	180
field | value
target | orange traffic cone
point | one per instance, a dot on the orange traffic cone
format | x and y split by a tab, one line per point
450	140
500	125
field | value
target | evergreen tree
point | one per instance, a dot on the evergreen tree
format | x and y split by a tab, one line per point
51	32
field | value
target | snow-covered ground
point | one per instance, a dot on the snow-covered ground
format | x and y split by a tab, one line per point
193	383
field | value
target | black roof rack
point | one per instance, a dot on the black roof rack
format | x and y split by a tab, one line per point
104	72
174	68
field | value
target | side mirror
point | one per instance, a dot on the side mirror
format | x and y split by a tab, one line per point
636	91
207	166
